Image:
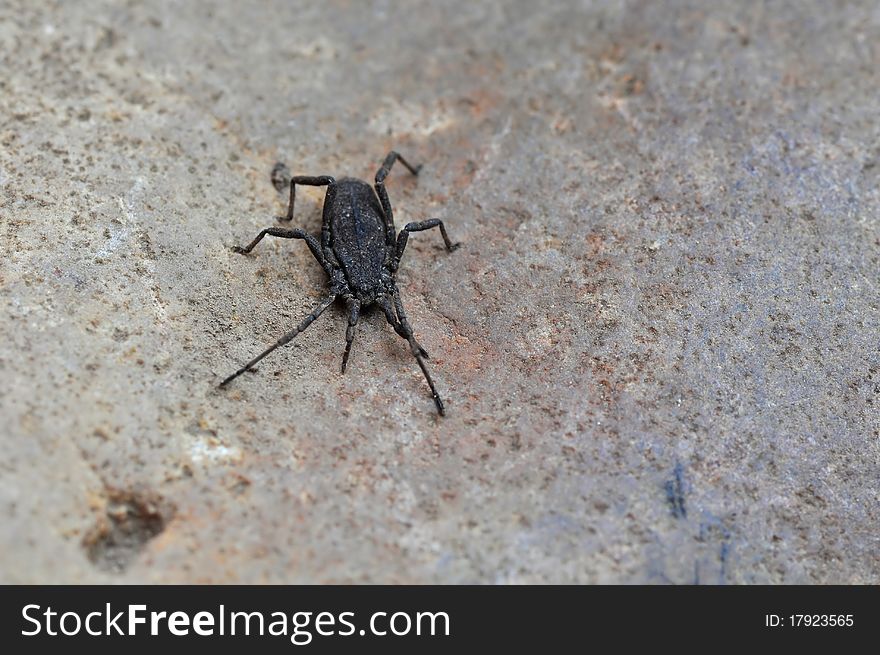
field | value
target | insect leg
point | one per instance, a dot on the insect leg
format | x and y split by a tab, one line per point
381	174
403	237
402	327
285	339
320	180
354	309
311	242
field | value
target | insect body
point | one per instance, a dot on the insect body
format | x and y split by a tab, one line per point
360	253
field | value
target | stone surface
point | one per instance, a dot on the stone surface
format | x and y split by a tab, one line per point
658	344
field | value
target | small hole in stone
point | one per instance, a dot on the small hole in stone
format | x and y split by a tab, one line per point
131	520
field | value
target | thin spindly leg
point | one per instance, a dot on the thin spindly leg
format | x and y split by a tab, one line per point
311	242
320	180
381	174
354	312
281	178
403	237
285	339
403	328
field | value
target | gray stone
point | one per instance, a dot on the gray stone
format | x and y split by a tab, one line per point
658	344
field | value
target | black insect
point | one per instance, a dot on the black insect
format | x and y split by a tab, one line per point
360	253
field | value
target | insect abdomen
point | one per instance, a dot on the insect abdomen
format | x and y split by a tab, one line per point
358	233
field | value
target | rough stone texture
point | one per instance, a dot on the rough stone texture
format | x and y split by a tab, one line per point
659	343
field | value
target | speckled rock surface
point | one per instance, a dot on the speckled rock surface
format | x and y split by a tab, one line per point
658	343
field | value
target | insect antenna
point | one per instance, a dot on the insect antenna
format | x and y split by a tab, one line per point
285	339
402	327
437	400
